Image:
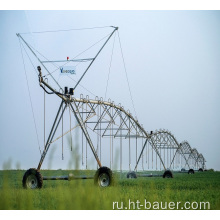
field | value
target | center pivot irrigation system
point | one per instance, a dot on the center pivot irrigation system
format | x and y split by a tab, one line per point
103	124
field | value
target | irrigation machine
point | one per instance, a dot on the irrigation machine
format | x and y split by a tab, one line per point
104	123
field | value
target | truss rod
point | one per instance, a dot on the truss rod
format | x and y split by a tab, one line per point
115	28
141	154
62	61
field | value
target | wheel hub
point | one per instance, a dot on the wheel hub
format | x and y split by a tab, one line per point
32	182
104	180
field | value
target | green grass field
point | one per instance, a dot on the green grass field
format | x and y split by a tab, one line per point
82	194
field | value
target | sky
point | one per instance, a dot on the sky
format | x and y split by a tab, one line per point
171	60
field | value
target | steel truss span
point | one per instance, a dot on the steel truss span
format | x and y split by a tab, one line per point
101	119
193	159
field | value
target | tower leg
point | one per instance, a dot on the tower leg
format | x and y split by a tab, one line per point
52	133
82	125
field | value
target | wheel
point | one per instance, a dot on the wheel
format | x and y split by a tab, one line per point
183	169
191	171
103	177
131	175
168	174
200	170
32	179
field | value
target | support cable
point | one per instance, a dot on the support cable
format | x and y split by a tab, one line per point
62	134
181	162
82	136
112	141
43	57
100	124
170	157
71	142
82	86
44	118
161	156
97	149
148	156
142	157
65	30
110	150
30	99
120	144
164	156
126	74
136	145
152	158
86	143
109	70
129	147
21	44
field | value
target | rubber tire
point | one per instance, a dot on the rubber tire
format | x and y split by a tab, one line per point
191	171
131	175
168	174
200	170
182	170
38	179
103	171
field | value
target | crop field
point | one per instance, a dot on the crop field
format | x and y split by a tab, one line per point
84	195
